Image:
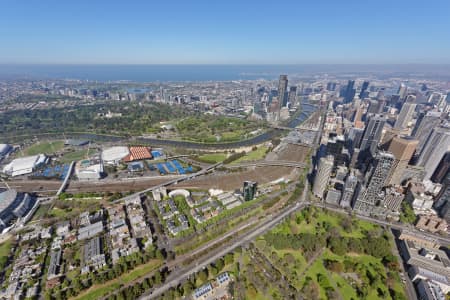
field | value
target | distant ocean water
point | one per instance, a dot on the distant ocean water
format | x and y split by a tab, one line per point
151	73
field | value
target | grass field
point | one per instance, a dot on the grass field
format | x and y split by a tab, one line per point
99	290
257	154
213	157
5	247
44	147
74	156
41	211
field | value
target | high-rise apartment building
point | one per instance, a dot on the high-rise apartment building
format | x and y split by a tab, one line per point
323	175
372	195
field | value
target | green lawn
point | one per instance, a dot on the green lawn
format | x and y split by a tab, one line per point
140	271
5	247
41	211
213	157
44	147
74	156
257	154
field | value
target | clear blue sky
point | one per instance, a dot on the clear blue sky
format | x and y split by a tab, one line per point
225	31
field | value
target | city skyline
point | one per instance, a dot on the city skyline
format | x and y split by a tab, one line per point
224	33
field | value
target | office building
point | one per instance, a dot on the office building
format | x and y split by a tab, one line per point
282	91
442	170
363	93
403	150
402	91
249	190
323	175
372	134
424	125
335	147
354	138
349	91
372	196
437	145
405	116
292	97
331	86
349	188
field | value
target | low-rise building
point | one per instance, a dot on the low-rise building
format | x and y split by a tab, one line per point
89	231
431	223
55	264
93	255
89	169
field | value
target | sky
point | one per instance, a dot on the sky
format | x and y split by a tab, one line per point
225	32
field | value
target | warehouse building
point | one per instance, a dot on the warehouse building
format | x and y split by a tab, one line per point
24	165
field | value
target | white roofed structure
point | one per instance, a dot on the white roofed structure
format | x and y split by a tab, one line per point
24	165
114	155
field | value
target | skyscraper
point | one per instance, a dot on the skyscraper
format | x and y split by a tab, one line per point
323	175
282	90
405	116
349	188
349	92
442	170
373	193
372	134
364	87
403	150
423	128
249	190
292	95
402	90
435	148
331	86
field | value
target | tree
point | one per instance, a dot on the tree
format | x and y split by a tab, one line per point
229	258
203	275
157	277
311	290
